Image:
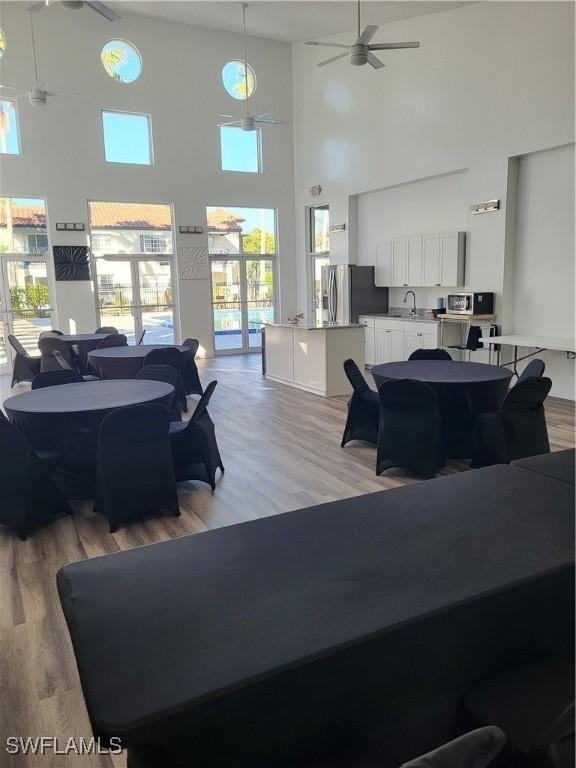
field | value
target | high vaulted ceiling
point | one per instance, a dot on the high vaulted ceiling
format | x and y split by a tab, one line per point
285	21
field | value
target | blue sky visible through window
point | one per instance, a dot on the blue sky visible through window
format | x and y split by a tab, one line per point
126	138
9	139
121	61
239	149
234	79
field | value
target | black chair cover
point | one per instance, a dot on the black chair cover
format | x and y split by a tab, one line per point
363	408
50	344
65	365
168	374
53	378
134	464
410	428
517	430
534	370
25	366
534	704
141	337
170	356
476	749
29	497
190	374
194	447
430	354
107	329
113	340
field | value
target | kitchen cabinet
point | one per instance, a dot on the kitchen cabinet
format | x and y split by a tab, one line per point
389	346
369	340
435	259
388	339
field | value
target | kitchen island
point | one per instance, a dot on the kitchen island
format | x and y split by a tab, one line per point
310	357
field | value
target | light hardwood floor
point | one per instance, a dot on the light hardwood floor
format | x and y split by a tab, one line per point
281	449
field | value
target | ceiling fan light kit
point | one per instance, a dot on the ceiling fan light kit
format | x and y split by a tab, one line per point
248	122
360	52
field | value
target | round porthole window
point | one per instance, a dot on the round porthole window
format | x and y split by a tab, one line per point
122	61
2	43
235	80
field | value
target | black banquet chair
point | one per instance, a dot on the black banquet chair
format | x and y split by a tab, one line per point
534	370
169	375
54	378
65	366
409	434
363	408
50	344
25	366
534	704
192	383
52	332
141	338
430	354
135	474
194	447
170	356
29	497
517	430
106	329
113	340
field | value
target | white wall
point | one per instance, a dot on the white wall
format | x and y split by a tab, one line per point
540	287
181	87
491	81
426	205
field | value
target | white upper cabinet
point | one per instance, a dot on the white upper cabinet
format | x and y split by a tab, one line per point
432	260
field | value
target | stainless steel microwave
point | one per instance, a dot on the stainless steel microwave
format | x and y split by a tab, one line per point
470	303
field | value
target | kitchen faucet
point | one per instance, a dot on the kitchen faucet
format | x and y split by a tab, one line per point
413	310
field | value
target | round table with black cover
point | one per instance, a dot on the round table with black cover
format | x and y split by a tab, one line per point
464	390
66	418
82	343
125	362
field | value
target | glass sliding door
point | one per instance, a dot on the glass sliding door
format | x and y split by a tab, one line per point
133	246
25	285
227	301
136	294
242	247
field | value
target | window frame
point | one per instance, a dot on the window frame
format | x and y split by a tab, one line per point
312	254
259	157
148	116
14	103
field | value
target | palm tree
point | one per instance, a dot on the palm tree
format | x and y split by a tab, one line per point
112	59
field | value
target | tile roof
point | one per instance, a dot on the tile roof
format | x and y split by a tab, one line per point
23	215
221	220
130	216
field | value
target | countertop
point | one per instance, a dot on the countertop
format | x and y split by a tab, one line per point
315	326
396	316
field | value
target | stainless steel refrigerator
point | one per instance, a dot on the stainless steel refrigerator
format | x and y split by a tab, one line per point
349	291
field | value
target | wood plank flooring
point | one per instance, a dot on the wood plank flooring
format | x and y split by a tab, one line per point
281	449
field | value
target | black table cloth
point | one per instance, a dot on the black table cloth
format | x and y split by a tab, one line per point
464	390
559	465
125	362
397	599
66	418
83	343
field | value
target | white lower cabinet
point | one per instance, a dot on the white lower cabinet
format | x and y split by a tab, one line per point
388	340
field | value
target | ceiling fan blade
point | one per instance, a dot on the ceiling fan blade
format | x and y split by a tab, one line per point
103	10
52	100
334	58
326	45
392	46
65	93
12	88
271	122
231	122
375	62
368	34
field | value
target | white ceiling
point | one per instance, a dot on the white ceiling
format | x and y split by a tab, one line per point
291	21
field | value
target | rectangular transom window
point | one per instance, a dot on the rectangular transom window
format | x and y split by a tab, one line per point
9	138
240	150
241	230
127	138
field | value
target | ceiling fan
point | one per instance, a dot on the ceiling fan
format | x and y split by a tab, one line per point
248	122
38	95
361	51
74	5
